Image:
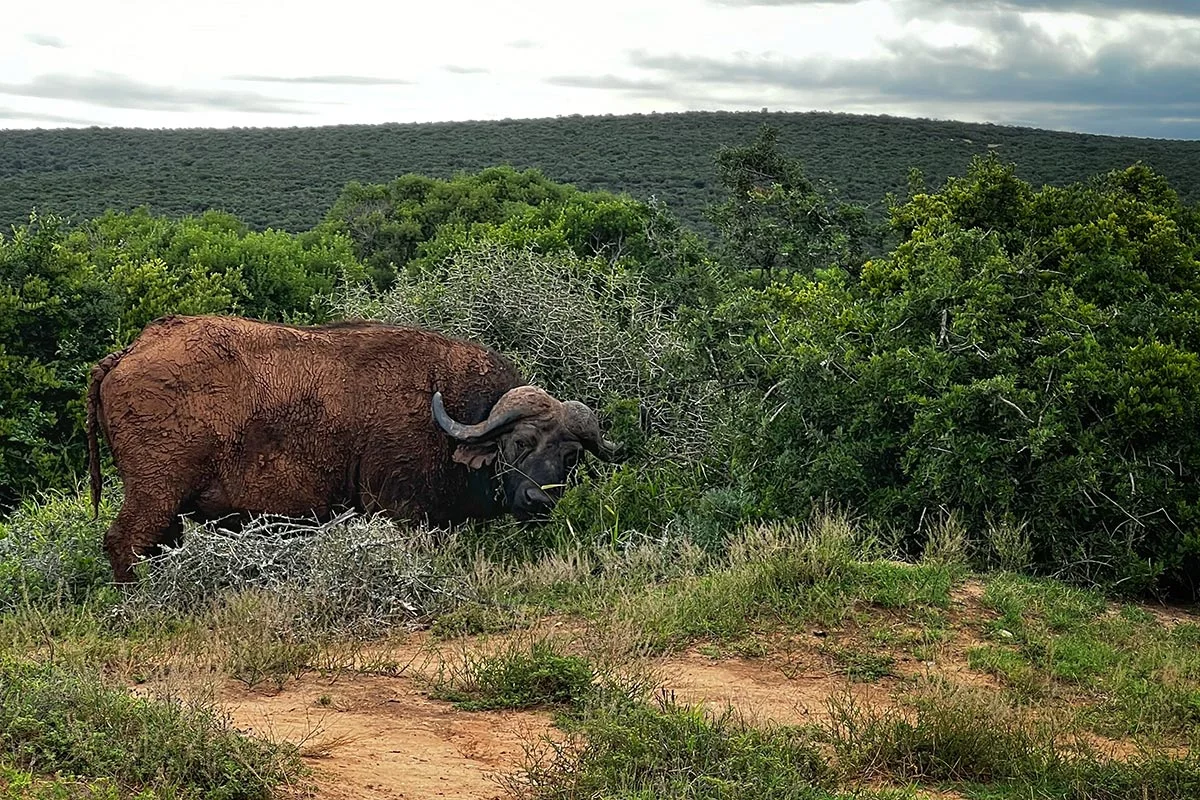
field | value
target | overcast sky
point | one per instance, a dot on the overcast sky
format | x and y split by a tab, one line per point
1129	67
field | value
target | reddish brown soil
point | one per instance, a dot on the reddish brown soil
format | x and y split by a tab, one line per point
373	737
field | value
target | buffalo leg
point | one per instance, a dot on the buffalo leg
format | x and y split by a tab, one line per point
143	523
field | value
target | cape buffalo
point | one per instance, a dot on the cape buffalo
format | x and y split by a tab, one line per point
218	416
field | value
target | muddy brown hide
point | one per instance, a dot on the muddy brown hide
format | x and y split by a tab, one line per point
212	416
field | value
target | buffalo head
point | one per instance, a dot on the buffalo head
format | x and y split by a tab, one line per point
533	439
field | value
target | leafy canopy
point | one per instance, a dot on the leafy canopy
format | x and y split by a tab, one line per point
1021	354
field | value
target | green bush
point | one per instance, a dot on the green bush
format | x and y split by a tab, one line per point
213	263
414	223
390	224
630	499
55	312
777	222
1027	356
51	553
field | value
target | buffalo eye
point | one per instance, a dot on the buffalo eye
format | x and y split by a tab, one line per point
571	458
522	447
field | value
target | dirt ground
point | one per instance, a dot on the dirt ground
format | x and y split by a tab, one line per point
373	737
376	737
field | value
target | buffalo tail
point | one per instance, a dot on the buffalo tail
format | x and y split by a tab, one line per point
93	410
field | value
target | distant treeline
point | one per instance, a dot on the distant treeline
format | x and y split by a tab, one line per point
288	178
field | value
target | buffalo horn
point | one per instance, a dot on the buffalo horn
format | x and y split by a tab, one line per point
480	432
583	423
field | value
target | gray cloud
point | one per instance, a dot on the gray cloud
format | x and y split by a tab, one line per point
460	70
117	91
1181	8
36	116
633	85
523	44
331	80
45	40
1020	72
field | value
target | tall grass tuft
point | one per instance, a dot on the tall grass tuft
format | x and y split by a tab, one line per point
537	674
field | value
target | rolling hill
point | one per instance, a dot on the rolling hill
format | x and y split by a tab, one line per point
288	177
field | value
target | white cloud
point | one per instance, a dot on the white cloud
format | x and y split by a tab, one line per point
170	63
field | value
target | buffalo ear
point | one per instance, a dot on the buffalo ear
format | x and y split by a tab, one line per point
476	456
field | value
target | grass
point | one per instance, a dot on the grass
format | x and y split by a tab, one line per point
920	633
979	741
949	734
862	665
61	720
951	738
540	675
1072	664
778	576
473	619
1134	675
665	751
18	784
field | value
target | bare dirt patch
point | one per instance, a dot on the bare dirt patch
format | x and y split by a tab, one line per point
769	690
375	737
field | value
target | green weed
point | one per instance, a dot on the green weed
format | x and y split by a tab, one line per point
60	720
540	675
861	665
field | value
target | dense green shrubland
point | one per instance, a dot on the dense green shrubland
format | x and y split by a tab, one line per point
287	178
1021	357
1025	358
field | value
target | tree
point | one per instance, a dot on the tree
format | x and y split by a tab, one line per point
776	222
388	223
